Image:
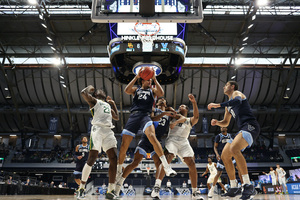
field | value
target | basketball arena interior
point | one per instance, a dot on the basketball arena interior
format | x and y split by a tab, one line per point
52	49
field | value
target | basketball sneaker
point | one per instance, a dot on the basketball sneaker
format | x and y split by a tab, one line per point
81	193
155	192
249	192
111	195
196	195
211	192
118	188
232	192
169	171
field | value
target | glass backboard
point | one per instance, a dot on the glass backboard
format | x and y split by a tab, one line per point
177	11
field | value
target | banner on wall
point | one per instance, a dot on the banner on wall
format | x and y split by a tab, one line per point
204	125
53	123
293	188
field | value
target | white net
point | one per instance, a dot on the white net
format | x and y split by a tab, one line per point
147	42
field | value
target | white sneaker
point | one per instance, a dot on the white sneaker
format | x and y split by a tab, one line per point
155	192
118	188
170	172
211	192
197	195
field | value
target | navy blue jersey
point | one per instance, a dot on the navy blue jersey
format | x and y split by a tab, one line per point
143	100
242	113
222	140
84	152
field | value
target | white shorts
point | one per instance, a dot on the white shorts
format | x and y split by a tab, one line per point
102	137
179	146
211	179
282	181
274	182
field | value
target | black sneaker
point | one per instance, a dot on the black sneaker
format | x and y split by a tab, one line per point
232	192
197	196
249	192
111	195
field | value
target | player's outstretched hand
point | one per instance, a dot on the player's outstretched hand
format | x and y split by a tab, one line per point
170	113
192	98
213	122
90	89
213	105
109	100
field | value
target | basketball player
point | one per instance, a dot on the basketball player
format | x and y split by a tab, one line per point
212	169
239	108
177	143
273	174
144	145
102	137
143	99
81	156
281	178
220	141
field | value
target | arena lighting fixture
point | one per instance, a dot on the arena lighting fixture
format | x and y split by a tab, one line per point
57	135
6	88
44	25
39	174
53	48
41	16
238	62
286	96
64	85
250	26
244	44
49	38
246	38
281	135
233	77
253	17
62	77
241	49
56	61
32	2
288	89
262	2
13	135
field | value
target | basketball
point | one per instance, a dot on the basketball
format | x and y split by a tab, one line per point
146	73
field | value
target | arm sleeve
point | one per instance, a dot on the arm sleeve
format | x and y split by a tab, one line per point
233	102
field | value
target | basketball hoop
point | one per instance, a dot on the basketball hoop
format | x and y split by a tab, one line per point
147	33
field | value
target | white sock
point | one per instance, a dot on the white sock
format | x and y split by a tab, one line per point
122	180
164	161
85	174
111	186
194	190
119	168
157	182
246	179
212	187
233	184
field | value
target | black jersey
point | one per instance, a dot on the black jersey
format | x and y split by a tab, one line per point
143	100
222	140
84	152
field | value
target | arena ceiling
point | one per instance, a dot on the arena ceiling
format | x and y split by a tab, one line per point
30	94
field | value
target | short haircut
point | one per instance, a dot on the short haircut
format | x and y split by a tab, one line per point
162	98
236	86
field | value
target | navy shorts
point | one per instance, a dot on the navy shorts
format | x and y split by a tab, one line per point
78	170
144	146
137	121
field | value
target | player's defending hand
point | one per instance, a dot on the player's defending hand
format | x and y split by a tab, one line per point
170	113
213	122
90	89
192	98
109	100
213	105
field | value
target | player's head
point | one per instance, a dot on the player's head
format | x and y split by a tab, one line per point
230	86
223	130
277	165
183	109
271	168
145	84
84	139
99	94
209	160
161	101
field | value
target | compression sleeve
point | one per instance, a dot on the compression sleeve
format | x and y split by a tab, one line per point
233	102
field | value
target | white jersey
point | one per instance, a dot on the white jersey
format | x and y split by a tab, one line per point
212	168
182	129
102	114
273	175
280	172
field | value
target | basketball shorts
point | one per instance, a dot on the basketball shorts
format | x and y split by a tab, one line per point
78	170
282	181
137	120
211	178
102	138
179	146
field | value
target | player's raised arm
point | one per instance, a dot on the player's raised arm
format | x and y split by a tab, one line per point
86	94
195	118
223	123
157	91
237	98
114	110
179	119
130	89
